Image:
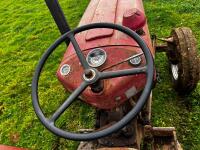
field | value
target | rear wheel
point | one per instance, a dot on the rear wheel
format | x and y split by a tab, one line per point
183	60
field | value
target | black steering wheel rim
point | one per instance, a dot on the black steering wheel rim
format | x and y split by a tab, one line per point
127	118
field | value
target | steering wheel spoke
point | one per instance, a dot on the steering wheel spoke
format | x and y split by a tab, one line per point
78	51
148	70
120	73
68	102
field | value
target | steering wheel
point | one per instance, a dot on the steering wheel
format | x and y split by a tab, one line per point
90	76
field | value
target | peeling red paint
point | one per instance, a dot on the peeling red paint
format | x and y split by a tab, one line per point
117	45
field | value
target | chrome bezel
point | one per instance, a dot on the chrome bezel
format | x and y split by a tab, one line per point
90	79
138	63
96	65
68	70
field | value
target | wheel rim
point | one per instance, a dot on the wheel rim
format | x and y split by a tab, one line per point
174	69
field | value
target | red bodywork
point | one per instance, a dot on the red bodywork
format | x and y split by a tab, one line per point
5	147
117	45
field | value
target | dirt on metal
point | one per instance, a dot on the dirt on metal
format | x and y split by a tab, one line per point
183	52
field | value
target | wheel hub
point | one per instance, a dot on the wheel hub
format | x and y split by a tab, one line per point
174	69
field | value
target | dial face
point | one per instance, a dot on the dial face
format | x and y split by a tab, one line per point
65	69
96	57
136	61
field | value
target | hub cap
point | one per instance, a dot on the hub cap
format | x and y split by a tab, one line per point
174	69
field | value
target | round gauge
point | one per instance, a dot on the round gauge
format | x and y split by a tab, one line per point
136	61
64	70
96	57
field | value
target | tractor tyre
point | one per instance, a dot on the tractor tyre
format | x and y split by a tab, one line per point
184	61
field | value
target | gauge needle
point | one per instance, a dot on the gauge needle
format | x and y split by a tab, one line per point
125	60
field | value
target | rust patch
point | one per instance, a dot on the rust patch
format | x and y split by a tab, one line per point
183	52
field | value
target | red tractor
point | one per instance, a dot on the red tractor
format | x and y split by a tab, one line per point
109	64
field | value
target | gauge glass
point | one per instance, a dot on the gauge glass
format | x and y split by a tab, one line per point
96	57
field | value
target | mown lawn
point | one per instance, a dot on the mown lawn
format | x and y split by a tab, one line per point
27	29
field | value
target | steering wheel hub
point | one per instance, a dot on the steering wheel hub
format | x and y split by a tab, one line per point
90	75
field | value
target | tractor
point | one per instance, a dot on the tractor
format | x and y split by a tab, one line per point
109	64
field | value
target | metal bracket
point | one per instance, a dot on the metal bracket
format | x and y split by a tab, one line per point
161	47
162	137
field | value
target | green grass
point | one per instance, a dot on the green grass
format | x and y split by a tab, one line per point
27	29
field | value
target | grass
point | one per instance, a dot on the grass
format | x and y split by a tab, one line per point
27	29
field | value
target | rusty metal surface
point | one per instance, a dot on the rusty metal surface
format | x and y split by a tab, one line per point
92	145
118	47
101	13
120	89
163	131
161	138
159	131
128	137
117	38
162	48
155	138
117	90
166	143
123	138
183	52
